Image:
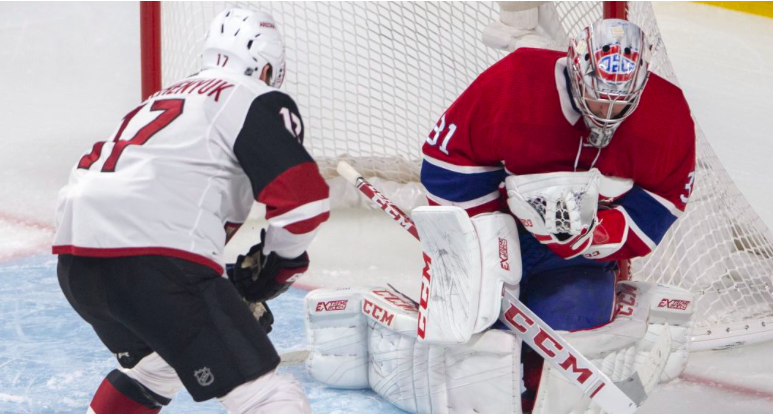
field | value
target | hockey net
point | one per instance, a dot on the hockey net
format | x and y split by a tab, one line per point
372	78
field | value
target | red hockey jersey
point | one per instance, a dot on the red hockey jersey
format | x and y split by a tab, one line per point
518	117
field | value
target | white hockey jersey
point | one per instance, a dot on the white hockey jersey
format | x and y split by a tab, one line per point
183	169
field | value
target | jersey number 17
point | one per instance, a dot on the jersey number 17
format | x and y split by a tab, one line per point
170	110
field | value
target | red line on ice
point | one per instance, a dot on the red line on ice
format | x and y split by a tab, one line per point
31	223
726	386
27	222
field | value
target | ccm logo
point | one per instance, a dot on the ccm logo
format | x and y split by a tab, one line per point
395	300
627	300
503	256
333	305
391	209
376	312
535	336
674	304
424	297
527	223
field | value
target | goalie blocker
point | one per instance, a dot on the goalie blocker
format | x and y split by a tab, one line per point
367	337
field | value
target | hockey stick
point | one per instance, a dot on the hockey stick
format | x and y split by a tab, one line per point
286	358
615	398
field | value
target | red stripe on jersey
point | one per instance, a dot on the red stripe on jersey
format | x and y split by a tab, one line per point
299	185
308	225
286	275
138	251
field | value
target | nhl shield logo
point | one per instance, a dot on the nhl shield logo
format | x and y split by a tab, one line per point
204	376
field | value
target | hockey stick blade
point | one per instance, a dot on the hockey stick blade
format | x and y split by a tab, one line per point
293	357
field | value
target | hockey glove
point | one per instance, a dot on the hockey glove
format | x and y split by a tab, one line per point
559	209
259	277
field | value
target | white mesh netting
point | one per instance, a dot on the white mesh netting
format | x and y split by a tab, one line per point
371	80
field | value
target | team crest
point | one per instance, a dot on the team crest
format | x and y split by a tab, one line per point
615	66
204	376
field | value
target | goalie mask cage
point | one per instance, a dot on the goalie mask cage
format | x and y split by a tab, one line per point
372	78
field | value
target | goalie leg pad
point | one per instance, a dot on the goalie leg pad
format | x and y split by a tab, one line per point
367	337
336	333
467	261
481	376
672	314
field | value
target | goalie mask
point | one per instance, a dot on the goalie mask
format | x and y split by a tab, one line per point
245	41
608	66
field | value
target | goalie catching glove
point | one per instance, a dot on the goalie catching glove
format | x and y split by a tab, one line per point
562	211
259	277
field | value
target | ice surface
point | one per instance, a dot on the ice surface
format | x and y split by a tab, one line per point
52	362
70	71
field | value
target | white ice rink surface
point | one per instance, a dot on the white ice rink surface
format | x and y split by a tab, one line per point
70	71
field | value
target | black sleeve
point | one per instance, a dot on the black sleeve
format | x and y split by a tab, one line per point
266	147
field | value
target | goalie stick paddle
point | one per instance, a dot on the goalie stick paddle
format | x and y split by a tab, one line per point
615	398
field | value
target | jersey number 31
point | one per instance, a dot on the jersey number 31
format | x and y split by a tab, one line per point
434	136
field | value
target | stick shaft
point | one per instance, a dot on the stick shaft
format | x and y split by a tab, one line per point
352	176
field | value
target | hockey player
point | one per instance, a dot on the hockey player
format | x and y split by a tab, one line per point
595	168
143	221
537	117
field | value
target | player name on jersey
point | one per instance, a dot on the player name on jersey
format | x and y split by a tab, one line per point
210	87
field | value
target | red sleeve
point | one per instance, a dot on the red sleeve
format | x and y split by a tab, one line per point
461	166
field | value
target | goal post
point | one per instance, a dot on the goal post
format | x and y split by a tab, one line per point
150	47
372	78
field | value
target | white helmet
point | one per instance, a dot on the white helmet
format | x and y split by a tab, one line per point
608	64
245	41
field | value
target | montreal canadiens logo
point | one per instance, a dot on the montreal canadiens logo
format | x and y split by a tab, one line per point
615	66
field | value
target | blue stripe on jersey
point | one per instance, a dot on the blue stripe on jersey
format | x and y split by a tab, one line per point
650	216
459	187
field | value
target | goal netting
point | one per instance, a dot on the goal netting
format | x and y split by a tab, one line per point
372	78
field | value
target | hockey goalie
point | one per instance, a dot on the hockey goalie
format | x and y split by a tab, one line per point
542	176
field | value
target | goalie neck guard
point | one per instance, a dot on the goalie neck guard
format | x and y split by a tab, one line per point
608	68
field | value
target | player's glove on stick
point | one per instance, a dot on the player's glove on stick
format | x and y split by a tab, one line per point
259	277
262	313
559	209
